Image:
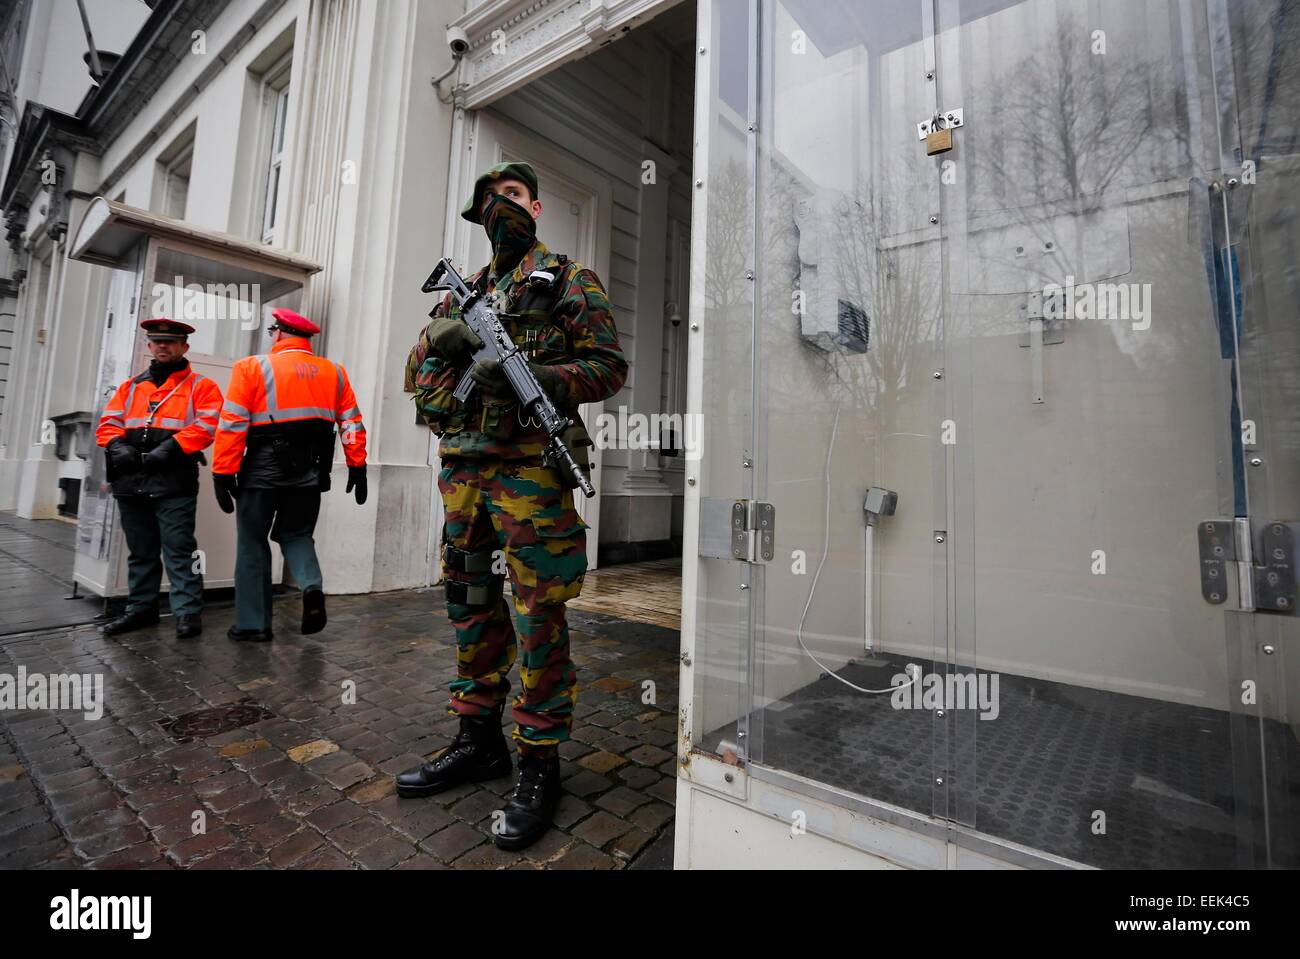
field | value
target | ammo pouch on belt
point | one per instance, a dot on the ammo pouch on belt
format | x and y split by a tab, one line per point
464	561
497	418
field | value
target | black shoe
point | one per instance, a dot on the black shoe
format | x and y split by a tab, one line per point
529	812
477	753
187	627
313	610
129	621
249	635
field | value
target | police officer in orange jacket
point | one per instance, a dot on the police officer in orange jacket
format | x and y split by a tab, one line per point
153	430
274	451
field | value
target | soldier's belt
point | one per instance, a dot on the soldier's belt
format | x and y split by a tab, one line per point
465	561
467	595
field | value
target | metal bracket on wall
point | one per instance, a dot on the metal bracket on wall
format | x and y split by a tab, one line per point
1273	582
738	529
1046	327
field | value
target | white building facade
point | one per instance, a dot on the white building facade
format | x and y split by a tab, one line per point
213	118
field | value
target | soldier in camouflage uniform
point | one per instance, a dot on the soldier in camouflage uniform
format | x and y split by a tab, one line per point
506	512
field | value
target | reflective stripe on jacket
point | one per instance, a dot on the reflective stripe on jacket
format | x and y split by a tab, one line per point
291	385
187	406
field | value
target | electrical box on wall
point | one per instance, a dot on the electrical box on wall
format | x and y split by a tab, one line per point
830	298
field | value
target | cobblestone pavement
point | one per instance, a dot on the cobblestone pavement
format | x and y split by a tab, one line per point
310	784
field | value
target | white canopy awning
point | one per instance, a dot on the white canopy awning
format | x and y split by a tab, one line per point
110	232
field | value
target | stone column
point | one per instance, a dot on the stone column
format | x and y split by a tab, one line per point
366	201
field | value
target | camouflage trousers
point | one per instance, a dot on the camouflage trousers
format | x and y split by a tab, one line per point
519	512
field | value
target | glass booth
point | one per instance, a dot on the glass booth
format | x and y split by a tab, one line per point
992	530
224	287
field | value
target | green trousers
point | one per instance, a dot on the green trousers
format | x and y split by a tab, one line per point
164	524
288	516
518	509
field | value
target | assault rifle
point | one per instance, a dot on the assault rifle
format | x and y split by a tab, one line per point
497	345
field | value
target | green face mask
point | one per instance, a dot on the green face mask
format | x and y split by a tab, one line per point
510	229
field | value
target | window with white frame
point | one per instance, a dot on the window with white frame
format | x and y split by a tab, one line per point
275	106
171	187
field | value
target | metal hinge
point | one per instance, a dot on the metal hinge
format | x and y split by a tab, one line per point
1275	580
738	529
1269	586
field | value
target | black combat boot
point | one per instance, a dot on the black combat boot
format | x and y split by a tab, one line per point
129	621
529	812
313	610
189	626
477	753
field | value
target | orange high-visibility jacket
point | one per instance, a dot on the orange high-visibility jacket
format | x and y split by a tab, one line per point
188	404
289	385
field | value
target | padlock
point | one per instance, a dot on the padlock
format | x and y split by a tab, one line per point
938	141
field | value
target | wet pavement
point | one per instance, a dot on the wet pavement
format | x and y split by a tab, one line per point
36	576
300	775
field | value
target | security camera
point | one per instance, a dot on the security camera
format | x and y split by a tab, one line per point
457	41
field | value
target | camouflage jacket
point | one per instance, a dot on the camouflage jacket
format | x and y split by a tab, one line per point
578	338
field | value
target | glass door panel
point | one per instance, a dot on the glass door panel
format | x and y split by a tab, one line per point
1093	302
848	327
719	437
1258	45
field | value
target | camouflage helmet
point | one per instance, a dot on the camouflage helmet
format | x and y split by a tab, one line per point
502	171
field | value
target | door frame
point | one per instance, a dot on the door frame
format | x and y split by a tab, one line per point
480	139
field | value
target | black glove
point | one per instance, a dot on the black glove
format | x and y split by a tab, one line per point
226	486
357	478
158	457
125	457
551	382
489	376
452	338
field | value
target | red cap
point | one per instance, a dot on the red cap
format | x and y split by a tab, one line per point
294	322
161	328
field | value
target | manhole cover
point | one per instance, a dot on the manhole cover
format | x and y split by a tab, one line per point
212	722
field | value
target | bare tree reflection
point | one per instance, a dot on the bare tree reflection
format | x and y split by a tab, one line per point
1066	122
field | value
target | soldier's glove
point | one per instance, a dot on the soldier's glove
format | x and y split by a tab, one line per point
452	338
158	457
552	384
490	377
125	457
357	479
226	486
